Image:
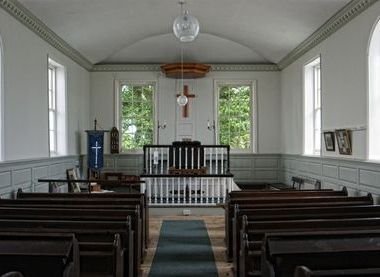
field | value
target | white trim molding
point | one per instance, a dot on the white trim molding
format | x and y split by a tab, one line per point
23	15
337	21
156	67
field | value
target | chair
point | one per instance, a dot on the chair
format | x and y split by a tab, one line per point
297	181
72	174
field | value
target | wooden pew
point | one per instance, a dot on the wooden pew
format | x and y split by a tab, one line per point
263	197
96	232
50	254
102	257
249	259
67	213
141	196
112	199
303	271
253	215
283	252
79	203
235	196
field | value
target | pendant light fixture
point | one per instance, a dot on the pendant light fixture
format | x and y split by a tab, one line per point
185	26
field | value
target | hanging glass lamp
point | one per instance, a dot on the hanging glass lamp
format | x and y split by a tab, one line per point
186	26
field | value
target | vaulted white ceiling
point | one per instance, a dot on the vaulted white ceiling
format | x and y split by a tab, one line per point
140	31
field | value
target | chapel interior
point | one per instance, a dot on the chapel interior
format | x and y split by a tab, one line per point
191	138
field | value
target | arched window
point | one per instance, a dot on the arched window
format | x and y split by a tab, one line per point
374	95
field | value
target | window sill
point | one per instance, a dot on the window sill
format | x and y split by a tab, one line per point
312	155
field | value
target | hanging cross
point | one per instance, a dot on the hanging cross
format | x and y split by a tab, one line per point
96	148
185	109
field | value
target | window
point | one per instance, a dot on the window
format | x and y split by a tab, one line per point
136	114
312	108
235	115
57	108
1	101
374	95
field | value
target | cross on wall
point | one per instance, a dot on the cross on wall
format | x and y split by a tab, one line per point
185	109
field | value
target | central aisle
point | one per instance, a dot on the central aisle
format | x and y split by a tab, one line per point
184	249
197	237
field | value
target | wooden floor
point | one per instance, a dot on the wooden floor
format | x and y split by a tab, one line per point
215	227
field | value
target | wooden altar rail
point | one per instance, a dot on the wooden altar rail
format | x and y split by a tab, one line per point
158	159
185	190
102	182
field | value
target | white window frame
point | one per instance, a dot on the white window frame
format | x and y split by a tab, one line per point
60	109
52	107
117	118
253	116
373	149
312	105
1	100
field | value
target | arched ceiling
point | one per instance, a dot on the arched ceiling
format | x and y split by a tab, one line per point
140	31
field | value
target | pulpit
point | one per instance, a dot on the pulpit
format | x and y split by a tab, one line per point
186	155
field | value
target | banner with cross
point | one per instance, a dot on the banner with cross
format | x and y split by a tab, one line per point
95	149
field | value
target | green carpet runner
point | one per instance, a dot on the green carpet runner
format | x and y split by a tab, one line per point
183	249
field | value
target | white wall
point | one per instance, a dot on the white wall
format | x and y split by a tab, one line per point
344	86
268	89
25	93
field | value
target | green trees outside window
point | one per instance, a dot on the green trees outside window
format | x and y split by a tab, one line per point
136	119
234	115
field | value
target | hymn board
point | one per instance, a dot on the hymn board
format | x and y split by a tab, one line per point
95	151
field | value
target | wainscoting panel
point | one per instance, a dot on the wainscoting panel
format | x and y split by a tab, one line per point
360	177
241	162
266	163
24	174
348	174
132	164
21	179
369	177
330	171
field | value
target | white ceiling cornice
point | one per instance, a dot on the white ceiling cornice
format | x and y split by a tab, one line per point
156	67
22	14
350	11
341	18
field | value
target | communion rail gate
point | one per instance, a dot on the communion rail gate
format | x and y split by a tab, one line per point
186	174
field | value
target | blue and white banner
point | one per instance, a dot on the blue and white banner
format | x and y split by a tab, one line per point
95	149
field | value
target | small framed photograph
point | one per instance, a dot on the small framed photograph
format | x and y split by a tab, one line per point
329	141
343	138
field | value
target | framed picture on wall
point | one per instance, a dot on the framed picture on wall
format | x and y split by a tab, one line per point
329	141
343	138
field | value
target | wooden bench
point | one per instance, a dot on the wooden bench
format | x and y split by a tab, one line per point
234	198
144	210
303	271
51	254
110	199
282	253
90	232
250	255
293	214
68	213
